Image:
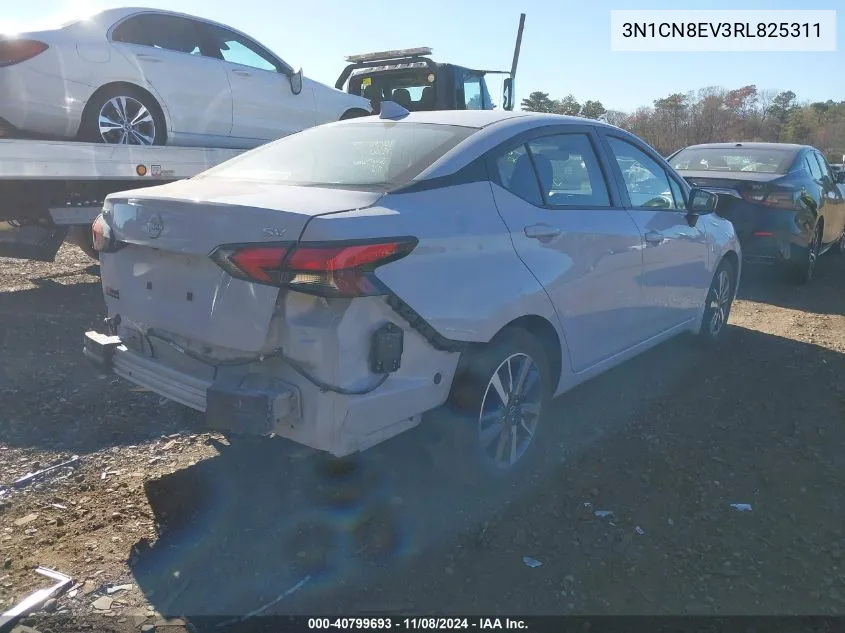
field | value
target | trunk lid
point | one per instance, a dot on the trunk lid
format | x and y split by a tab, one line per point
195	216
727	179
730	187
164	279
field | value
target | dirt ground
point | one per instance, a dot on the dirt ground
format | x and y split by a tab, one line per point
159	523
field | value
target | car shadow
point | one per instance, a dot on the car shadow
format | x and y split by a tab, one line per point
53	397
825	294
255	525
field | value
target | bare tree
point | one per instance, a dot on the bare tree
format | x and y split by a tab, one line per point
716	114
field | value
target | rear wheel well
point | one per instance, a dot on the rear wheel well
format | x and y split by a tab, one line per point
545	333
86	112
536	326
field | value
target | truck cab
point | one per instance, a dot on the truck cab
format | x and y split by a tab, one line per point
410	78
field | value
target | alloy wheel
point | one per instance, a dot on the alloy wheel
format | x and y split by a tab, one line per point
126	121
720	302
813	253
510	410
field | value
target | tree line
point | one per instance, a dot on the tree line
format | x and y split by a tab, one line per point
714	114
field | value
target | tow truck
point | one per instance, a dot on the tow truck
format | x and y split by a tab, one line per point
51	191
412	79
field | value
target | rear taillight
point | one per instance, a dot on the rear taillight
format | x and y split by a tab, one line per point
326	269
773	197
102	236
15	51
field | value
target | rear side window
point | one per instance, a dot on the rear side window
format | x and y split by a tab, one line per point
517	175
167	32
369	156
569	171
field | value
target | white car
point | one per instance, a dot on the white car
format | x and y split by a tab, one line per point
151	77
333	286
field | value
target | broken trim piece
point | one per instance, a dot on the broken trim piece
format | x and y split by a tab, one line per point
37	598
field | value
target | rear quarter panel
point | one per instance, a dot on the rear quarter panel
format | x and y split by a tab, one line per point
464	276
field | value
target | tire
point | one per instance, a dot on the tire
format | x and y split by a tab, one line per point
468	445
717	310
804	271
139	114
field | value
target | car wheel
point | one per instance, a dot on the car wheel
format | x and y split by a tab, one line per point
806	269
496	409
123	115
717	310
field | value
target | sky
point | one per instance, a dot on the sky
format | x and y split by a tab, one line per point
565	46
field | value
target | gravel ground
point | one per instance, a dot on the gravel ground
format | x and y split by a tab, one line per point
159	522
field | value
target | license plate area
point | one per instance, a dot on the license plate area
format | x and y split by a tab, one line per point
189	295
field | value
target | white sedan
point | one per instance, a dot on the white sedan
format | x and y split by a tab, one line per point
150	77
333	286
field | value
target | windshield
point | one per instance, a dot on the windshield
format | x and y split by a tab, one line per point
375	155
734	159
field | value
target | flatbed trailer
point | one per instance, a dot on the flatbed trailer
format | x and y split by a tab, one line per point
51	191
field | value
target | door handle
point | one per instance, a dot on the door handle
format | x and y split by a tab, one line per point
241	73
541	231
148	58
654	237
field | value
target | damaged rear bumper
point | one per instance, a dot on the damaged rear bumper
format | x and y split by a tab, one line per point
250	406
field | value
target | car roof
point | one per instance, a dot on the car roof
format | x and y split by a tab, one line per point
483	118
754	145
110	16
492	127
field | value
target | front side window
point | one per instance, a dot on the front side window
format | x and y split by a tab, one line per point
678	194
646	180
826	171
368	156
166	32
569	171
238	50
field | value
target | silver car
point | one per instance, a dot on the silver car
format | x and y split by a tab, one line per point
335	285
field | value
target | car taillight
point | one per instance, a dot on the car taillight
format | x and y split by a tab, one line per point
102	236
774	197
15	51
326	269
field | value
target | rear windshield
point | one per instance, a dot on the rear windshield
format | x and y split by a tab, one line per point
376	155
413	89
733	159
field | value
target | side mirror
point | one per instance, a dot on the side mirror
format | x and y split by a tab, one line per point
296	82
507	94
702	201
840	177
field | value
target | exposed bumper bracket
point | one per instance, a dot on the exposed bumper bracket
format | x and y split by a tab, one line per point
99	348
